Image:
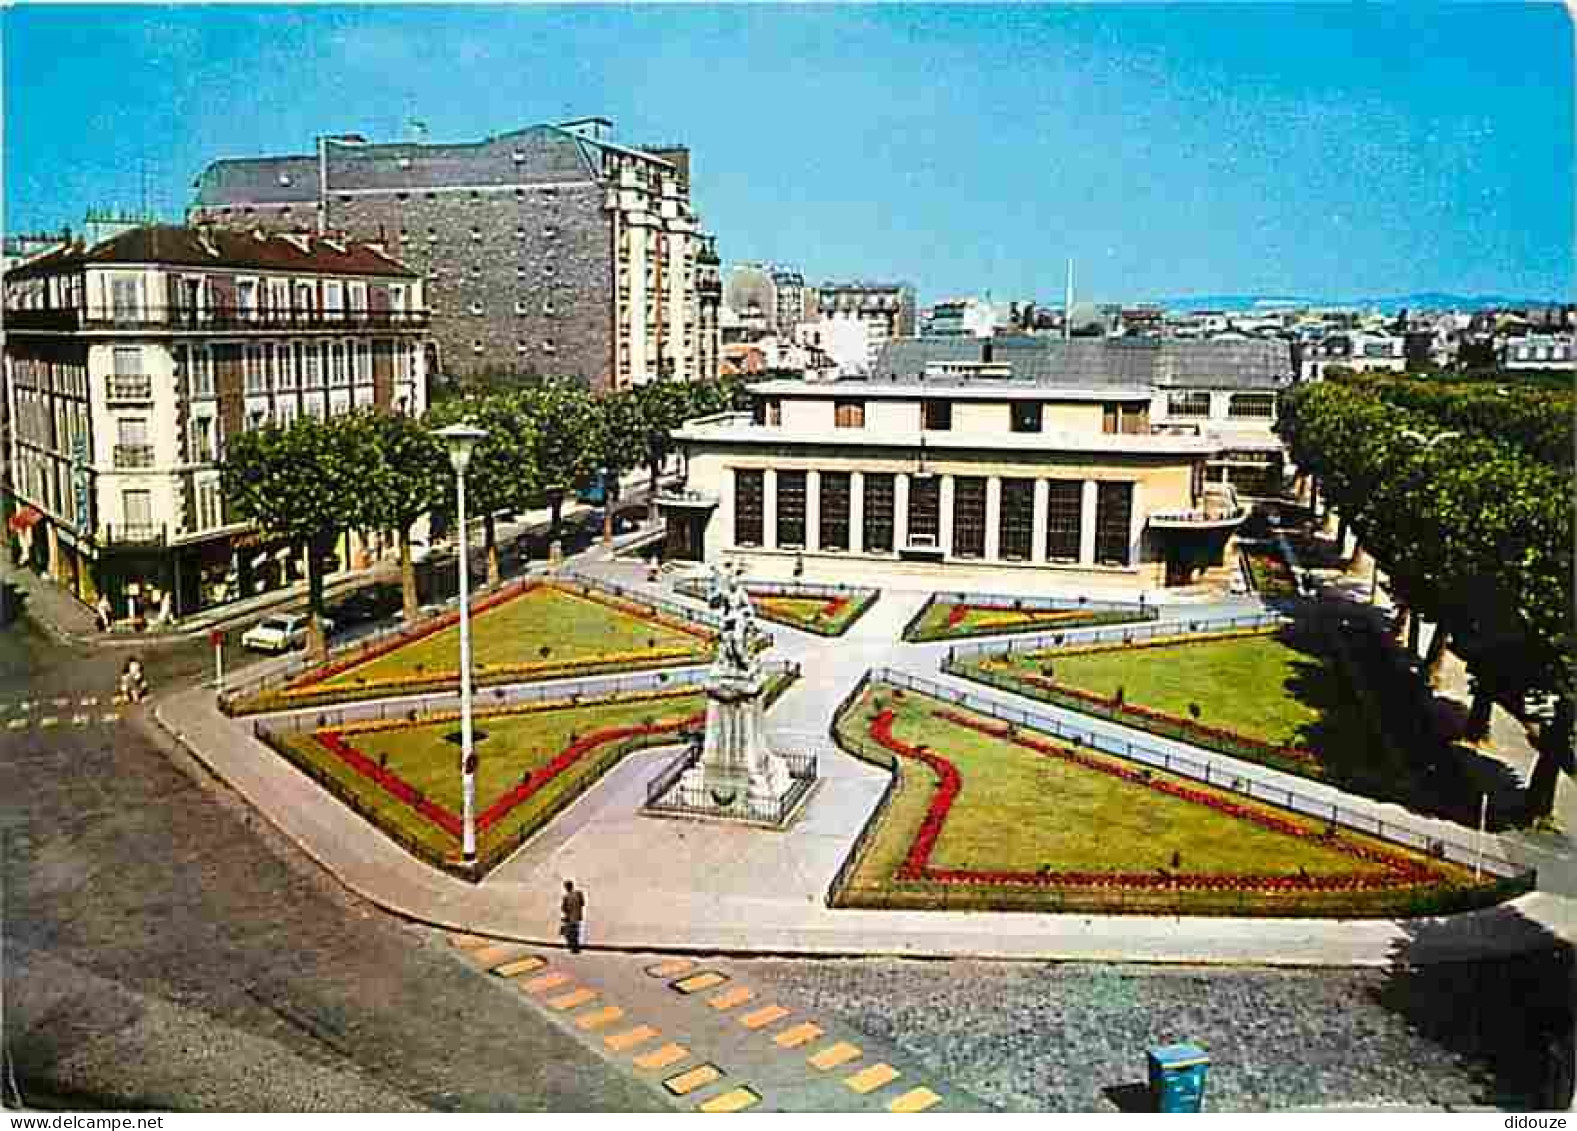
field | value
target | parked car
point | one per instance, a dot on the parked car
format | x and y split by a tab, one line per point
281	632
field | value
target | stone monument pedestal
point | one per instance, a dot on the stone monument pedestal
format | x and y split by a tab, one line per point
736	764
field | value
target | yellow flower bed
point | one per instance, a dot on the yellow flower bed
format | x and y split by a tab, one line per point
534	707
1149	641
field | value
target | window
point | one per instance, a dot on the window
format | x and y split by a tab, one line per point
969	516
936	416
925	510
1027	416
202	439
849	414
1128	419
749	499
1064	519
202	372
1259	406
289	365
878	518
791	508
1016	519
1113	521
767	411
137	506
1188	404
834	525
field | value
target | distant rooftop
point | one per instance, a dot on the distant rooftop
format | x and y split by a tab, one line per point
1087	363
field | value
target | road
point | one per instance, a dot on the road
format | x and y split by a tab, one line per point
162	948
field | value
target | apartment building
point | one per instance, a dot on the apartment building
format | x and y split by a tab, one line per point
1056	465
547	251
128	363
887	309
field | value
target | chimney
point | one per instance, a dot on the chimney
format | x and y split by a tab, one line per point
985	351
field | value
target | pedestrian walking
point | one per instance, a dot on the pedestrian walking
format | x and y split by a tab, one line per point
105	612
573	907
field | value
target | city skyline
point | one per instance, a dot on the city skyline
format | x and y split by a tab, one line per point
1169	151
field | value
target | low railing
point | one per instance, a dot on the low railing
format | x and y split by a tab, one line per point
132	534
128	387
1056	604
1238	778
133	456
225	319
1198	517
697	801
700	589
1126	633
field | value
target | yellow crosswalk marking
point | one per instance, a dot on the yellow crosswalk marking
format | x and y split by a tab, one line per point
695	983
544	982
17	724
572	999
834	1055
90	701
671	968
737	1100
491	956
110	717
663	1057
917	1099
729	998
48	721
698	1077
468	942
801	1034
81	720
623	1042
867	1080
520	966
763	1017
61	702
597	1018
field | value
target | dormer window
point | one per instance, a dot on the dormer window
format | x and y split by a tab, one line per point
520	157
548	346
404	162
476	235
476	308
520	306
284	180
476	346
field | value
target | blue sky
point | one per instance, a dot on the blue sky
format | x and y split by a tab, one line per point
1326	150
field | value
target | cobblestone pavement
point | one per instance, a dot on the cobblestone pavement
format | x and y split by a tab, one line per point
1042	1037
164	947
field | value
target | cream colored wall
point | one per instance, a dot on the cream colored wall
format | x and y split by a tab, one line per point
886	416
161	481
1071	417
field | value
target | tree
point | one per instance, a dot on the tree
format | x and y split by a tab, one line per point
503	470
564	424
302	483
409	477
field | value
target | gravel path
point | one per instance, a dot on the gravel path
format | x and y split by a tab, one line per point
1045	1037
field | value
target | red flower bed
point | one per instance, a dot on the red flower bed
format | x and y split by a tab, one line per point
446	620
396	787
1188	726
916	866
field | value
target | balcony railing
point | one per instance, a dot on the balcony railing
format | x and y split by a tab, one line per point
1209	519
215	319
133	456
132	534
129	387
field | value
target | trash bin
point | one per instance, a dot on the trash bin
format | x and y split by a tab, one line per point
1177	1077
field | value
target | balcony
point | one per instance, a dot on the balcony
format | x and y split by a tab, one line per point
1208	518
133	457
687	499
128	387
215	320
132	534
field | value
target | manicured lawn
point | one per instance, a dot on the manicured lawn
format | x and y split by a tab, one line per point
825	616
510	747
1256	685
948	620
1079	830
570	628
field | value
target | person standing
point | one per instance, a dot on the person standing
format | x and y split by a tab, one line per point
573	907
106	611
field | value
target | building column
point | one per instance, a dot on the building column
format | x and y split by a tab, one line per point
1087	524
993	518
812	510
944	526
857	512
1037	550
54	564
769	509
900	511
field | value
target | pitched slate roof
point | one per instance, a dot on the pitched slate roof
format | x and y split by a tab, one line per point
187	247
1099	362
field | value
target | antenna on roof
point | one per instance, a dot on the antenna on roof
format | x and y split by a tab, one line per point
1067	304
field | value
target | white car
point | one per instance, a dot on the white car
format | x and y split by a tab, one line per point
280	632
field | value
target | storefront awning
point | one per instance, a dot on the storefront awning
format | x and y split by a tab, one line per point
25	519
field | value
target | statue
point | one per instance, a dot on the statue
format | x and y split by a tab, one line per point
736	763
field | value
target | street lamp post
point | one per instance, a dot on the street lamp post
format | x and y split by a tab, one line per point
461	438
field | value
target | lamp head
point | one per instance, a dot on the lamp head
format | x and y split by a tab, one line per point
461	439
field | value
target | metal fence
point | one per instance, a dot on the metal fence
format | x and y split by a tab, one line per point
1054	604
701	590
665	794
1238	779
1127	633
497	698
